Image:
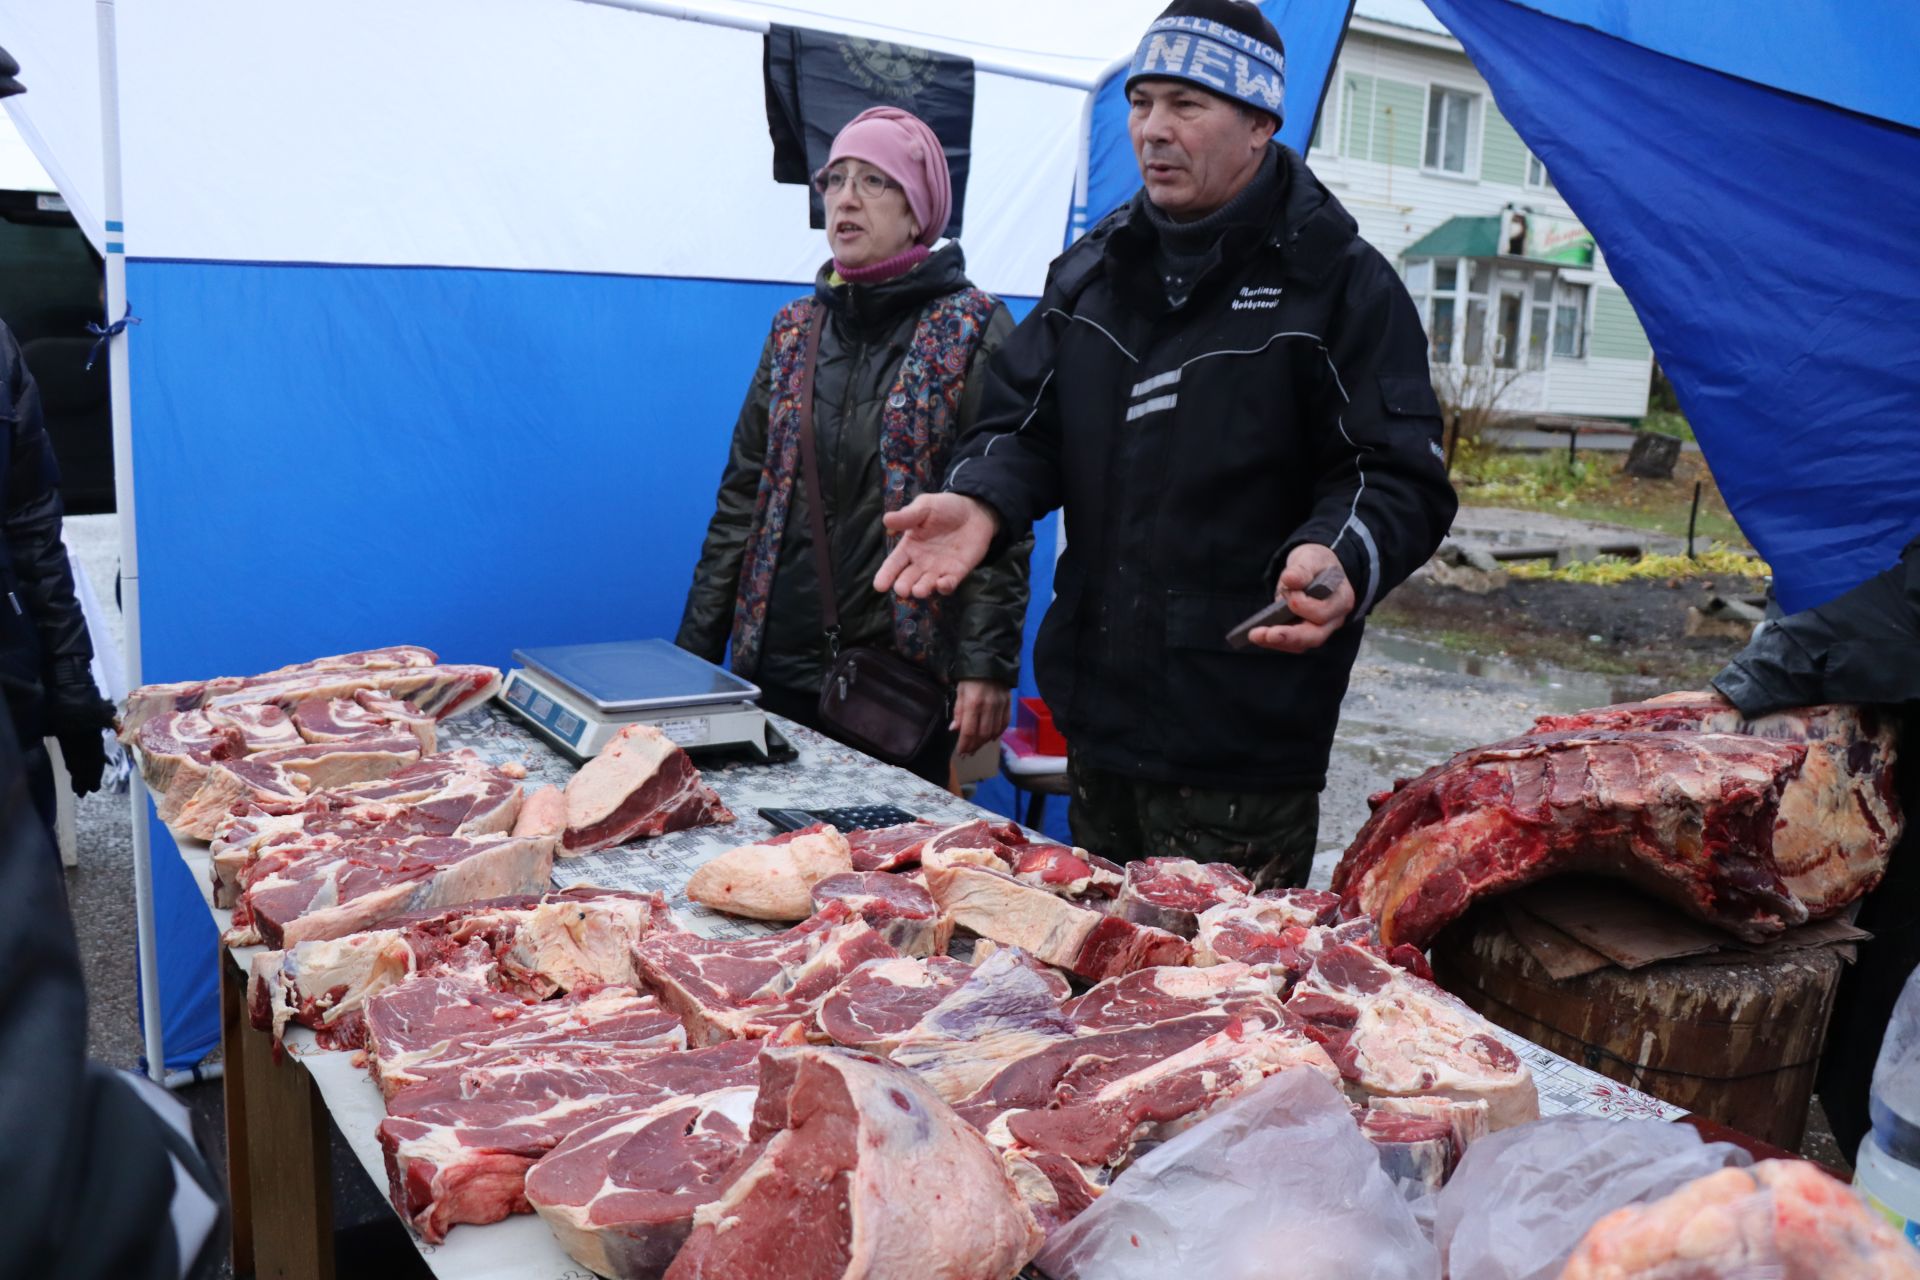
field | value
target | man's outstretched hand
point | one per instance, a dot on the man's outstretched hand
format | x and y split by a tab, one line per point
1319	619
944	537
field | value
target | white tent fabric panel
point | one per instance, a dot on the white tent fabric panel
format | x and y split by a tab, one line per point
20	170
56	43
606	141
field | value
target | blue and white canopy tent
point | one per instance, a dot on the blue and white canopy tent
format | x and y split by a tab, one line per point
446	309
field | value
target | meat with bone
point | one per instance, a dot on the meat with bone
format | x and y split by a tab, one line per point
1690	817
180	747
858	1172
772	880
620	1192
1073	874
438	691
1839	817
336	719
903	911
1393	1034
262	725
343	761
247	782
537	946
1170	893
1254	930
356	885
745	990
877	1003
641	784
459	1148
441	1025
1088	943
155	699
1784	1219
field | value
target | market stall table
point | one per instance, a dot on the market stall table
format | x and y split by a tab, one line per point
276	1115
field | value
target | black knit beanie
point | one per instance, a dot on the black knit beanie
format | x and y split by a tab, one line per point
1227	47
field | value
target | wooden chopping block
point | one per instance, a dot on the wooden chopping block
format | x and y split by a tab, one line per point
1735	1038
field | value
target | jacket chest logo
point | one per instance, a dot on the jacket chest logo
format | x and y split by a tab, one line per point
1258	298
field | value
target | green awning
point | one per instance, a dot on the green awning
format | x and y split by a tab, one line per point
1459	237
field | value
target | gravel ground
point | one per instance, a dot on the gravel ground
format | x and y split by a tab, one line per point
1409	706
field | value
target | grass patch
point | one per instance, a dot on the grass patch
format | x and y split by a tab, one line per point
1719	561
1592	487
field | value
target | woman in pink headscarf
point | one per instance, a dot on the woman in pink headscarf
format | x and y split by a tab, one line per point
903	343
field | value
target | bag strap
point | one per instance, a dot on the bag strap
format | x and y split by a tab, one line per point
816	495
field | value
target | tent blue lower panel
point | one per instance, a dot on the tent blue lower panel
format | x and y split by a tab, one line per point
1756	233
334	458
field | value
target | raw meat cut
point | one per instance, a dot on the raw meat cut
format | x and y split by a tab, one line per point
1170	893
438	691
1688	816
336	719
1006	1011
1255	930
858	1172
772	880
641	784
1055	931
1783	1219
154	699
745	990
228	783
1073	874
890	848
544	813
883	999
536	946
358	884
441	1025
620	1193
1839	816
459	1148
1416	1151
904	912
180	746
262	725
377	754
1393	1034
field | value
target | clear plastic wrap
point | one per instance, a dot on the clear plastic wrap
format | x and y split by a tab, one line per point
1895	1093
1278	1182
1521	1200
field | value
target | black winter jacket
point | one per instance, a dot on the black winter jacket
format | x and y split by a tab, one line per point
1287	401
41	625
869	329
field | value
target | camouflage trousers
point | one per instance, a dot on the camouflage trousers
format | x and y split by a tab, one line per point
1270	835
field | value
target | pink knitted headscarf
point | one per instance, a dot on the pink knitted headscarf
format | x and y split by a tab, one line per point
900	145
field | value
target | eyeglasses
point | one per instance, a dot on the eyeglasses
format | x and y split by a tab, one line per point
872	185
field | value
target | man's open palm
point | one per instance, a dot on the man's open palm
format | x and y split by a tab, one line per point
945	536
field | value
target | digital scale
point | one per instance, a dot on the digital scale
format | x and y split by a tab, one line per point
579	696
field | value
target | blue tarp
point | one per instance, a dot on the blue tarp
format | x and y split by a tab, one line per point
1750	173
1310	29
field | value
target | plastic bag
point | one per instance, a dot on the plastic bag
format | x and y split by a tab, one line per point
1894	1097
1521	1200
1279	1182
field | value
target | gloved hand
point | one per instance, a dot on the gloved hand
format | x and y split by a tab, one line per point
76	716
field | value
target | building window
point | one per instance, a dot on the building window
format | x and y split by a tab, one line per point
1326	133
1537	174
1452	298
1540	320
1570	320
1450	120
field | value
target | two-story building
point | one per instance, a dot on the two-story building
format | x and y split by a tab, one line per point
1509	284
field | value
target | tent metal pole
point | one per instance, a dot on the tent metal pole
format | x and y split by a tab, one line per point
120	384
688	13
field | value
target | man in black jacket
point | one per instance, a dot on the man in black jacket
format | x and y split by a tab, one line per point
1227	392
45	654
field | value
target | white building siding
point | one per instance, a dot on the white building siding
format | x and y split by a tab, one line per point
1376	113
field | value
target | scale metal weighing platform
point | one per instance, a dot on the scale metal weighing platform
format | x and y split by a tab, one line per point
579	696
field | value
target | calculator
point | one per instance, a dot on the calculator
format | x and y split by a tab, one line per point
852	817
